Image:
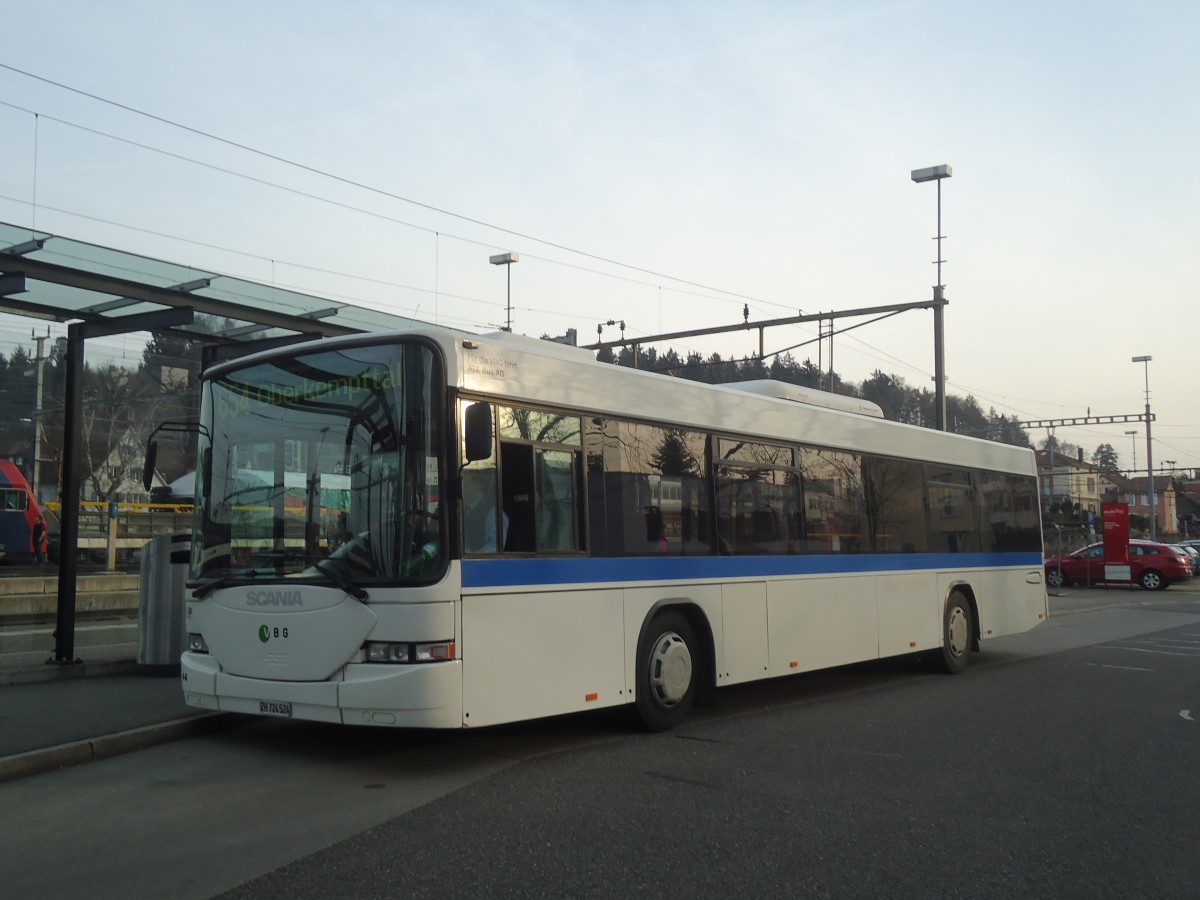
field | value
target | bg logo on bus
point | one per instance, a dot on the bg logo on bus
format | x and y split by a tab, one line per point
266	632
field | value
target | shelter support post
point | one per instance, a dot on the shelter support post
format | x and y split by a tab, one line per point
72	471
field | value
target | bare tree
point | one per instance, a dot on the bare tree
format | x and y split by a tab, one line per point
120	408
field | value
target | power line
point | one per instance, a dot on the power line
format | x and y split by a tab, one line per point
350	207
349	182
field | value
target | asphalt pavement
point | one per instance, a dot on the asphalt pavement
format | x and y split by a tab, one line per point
53	715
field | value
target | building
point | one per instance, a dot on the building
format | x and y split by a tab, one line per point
1134	493
1187	506
1069	480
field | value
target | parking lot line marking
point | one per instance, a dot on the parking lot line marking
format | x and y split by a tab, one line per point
1125	668
1145	650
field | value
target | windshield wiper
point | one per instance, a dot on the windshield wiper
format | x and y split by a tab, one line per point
209	586
340	580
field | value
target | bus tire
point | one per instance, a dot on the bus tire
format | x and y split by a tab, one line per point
666	671
958	632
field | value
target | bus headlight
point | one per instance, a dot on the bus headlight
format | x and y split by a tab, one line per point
389	652
196	643
380	652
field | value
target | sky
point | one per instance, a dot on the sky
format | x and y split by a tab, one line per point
658	163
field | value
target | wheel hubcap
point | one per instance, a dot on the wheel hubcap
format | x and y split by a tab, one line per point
670	669
956	631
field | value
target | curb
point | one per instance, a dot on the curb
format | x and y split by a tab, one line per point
49	672
35	762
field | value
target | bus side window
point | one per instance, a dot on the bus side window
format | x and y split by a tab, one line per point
516	496
556	508
485	527
482	530
954	517
540	485
539	498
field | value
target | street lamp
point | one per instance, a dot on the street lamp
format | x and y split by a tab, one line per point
506	260
1133	445
1145	360
937	173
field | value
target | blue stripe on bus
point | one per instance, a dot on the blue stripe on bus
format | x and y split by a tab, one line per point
477	573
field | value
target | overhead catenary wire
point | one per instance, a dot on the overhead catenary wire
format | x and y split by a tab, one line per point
682	285
727	295
346	181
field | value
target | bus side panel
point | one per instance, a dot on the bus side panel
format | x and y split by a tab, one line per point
746	655
822	622
1010	601
910	612
642	603
534	654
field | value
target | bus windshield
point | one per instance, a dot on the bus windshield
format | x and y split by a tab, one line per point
323	466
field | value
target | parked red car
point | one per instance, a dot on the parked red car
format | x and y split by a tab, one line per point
1153	566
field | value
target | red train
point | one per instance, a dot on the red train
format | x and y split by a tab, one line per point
19	513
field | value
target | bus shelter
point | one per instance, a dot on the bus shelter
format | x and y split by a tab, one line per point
100	291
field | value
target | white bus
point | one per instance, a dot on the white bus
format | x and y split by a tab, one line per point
440	530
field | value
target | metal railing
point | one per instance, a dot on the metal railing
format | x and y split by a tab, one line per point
113	532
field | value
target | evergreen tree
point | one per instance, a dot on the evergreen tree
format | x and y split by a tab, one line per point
672	457
1105	458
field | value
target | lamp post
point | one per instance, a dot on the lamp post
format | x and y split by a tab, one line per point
1145	361
1133	446
937	173
506	260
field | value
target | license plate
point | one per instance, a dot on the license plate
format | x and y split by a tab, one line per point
275	708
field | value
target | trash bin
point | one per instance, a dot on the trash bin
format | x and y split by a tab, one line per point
161	619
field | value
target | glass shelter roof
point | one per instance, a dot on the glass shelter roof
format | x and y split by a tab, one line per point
46	276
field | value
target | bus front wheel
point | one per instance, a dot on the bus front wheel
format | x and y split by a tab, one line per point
666	671
958	632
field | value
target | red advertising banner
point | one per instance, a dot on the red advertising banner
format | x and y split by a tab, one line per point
1116	533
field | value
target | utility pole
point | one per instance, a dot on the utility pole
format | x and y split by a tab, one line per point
937	173
1145	361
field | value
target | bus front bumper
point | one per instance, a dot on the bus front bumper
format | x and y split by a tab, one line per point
400	696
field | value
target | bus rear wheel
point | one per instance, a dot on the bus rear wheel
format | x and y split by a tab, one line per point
958	632
666	671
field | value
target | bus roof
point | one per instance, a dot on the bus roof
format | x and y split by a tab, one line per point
539	372
522	370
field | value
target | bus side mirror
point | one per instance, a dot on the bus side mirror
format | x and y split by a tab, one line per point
148	468
152	445
477	431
